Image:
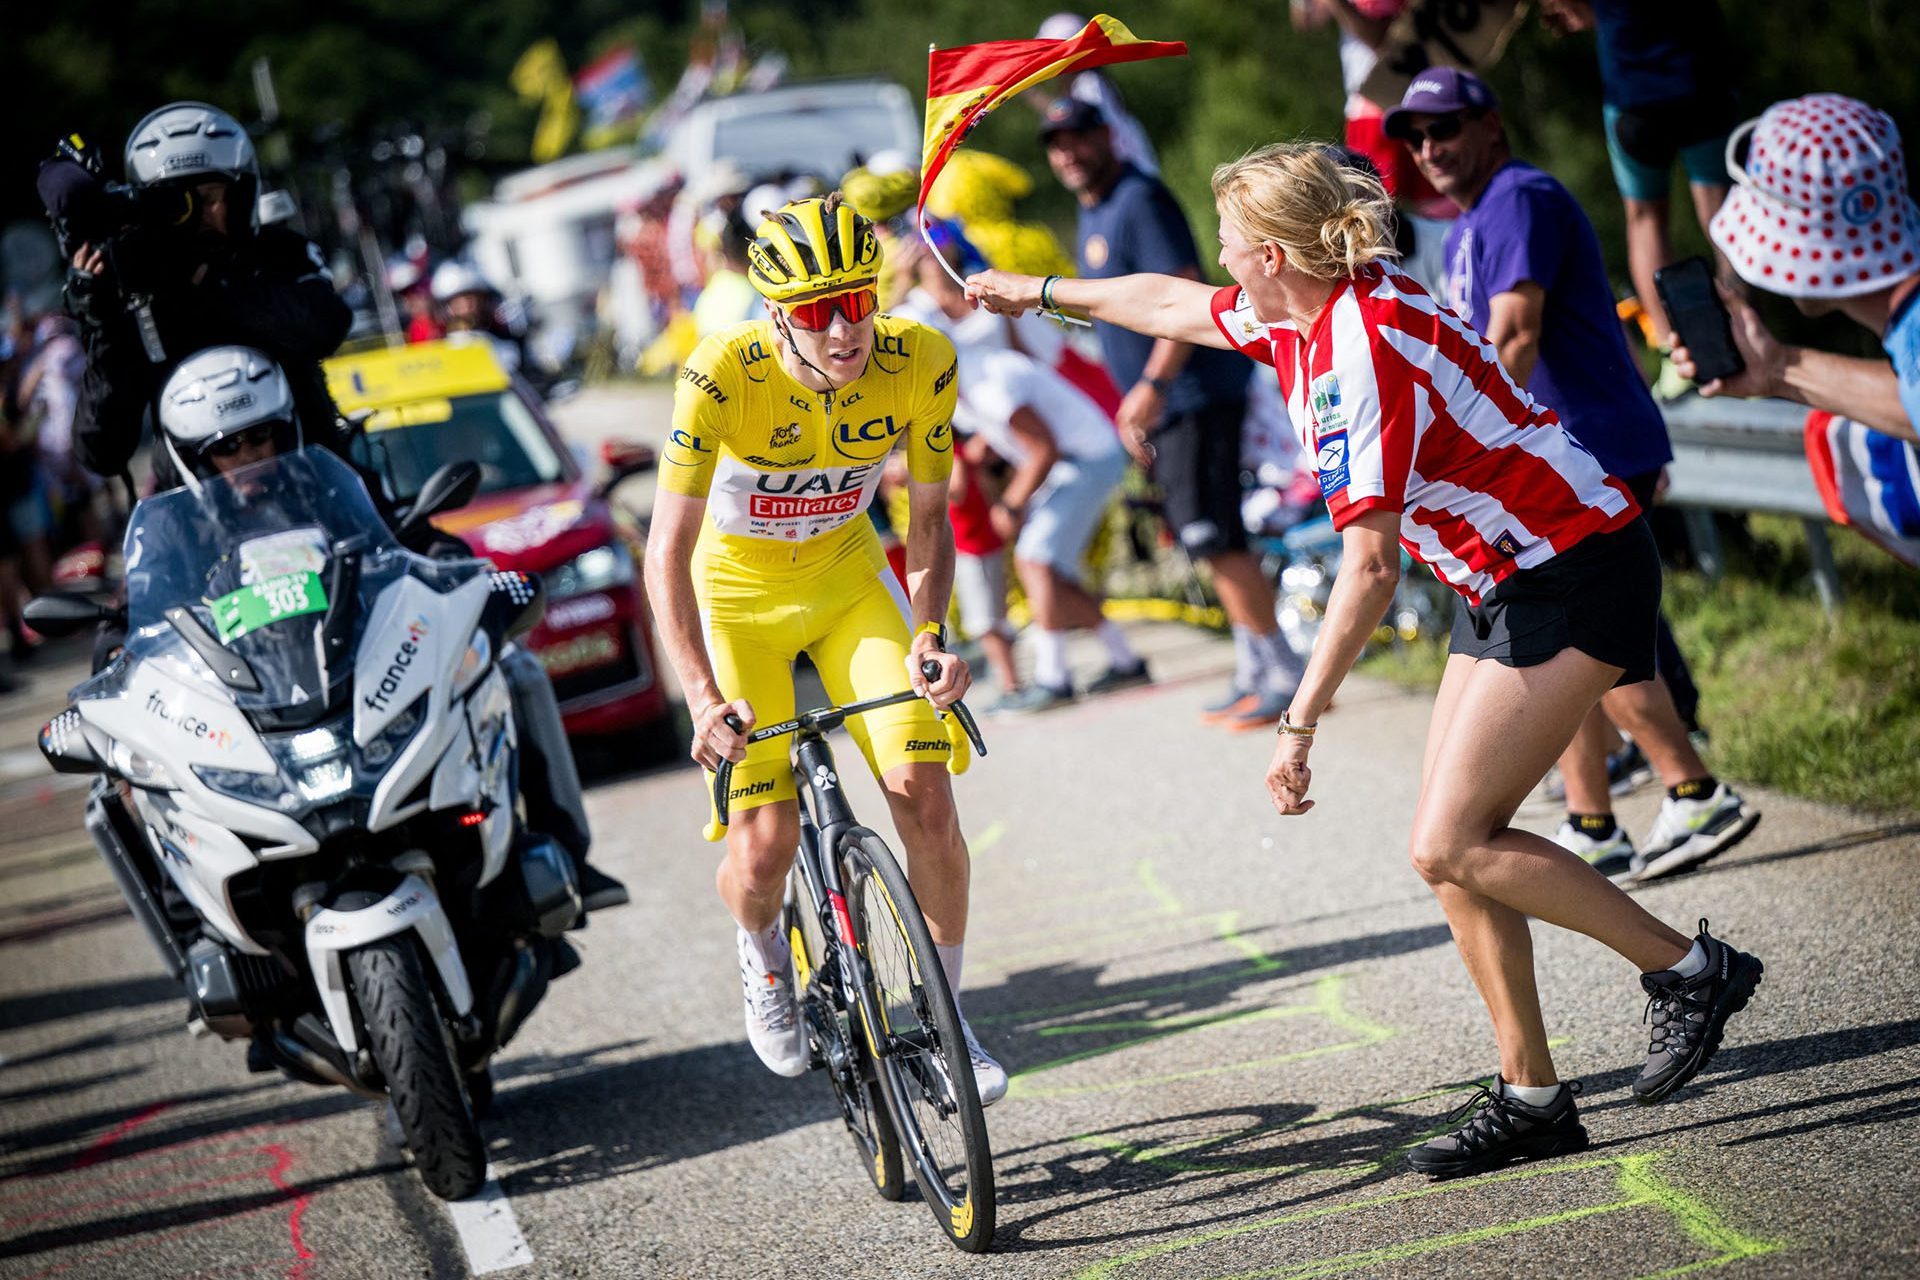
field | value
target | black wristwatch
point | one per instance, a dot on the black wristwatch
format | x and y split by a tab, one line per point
1162	385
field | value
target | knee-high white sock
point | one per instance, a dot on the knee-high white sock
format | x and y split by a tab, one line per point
1118	650
1050	659
950	958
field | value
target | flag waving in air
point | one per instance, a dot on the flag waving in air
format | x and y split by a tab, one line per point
964	84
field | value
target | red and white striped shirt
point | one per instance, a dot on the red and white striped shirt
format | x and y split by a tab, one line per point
1405	408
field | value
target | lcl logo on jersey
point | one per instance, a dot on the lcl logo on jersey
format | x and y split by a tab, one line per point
869	440
889	344
753	355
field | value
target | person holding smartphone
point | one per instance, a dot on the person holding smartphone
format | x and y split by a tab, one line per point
1821	213
1524	268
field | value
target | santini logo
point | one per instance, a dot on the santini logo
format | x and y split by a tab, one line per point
925	744
751	789
396	673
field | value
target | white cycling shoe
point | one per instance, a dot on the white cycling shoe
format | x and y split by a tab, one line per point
989	1077
774	1028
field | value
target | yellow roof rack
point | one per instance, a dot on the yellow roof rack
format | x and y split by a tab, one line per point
423	371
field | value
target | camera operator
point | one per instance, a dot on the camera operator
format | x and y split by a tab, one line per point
175	262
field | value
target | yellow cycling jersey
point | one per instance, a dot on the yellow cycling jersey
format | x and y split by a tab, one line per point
784	466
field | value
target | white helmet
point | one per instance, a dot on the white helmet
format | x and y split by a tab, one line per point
187	142
218	393
453	278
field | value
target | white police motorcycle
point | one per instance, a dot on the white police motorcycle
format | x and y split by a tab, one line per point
319	750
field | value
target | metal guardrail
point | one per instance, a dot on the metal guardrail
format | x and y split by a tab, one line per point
1746	455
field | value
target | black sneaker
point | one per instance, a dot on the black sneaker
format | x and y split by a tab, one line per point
598	890
1688	1015
1503	1129
1121	678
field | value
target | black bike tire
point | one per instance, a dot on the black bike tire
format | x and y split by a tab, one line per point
409	1042
967	1220
879	1152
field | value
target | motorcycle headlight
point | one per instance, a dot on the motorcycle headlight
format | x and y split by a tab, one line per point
141	771
400	730
267	790
597	570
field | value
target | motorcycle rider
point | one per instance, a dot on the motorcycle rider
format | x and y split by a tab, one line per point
156	295
230	407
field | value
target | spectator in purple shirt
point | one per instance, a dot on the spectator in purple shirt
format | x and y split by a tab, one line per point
1524	268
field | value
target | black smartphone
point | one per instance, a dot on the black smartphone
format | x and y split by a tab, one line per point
1697	314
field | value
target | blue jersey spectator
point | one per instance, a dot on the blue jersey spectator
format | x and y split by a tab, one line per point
1182	405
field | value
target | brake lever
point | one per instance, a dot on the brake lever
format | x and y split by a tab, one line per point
723	776
931	671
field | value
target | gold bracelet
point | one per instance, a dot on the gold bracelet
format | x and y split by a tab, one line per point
1297	730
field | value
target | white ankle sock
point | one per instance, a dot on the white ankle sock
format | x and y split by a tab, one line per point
1050	659
950	958
1119	651
1534	1095
1693	962
1280	667
770	947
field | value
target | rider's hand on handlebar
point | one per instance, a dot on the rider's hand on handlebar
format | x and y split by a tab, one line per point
714	739
954	677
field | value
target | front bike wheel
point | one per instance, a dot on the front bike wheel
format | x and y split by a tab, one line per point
849	1066
924	1067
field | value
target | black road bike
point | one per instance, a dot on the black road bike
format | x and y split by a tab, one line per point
880	1020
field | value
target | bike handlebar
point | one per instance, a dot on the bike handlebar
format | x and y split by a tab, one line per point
830	717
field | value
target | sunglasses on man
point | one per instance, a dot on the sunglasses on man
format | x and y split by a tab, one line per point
258	436
1444	129
856	305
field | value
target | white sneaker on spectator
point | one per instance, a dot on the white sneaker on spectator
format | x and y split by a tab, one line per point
1611	857
989	1077
774	1028
1688	832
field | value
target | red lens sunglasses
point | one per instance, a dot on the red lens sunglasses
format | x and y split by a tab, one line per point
816	315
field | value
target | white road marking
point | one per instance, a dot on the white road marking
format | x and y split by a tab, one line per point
488	1230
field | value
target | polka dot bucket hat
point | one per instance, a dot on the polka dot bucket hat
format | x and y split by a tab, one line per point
1820	207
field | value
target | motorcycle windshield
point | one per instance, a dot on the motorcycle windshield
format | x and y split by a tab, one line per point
251	556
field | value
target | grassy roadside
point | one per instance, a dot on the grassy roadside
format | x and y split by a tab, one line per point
1823	708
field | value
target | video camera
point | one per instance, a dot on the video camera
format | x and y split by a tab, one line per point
86	209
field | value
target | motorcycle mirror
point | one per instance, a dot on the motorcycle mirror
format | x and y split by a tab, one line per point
625	458
447	489
67	615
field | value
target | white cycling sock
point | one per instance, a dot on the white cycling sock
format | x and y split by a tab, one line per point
1246	664
1119	651
1693	962
1534	1095
950	958
770	947
1050	659
1280	667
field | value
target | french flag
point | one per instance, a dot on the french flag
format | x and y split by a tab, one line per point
1868	480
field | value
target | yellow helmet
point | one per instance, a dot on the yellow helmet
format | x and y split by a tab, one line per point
813	247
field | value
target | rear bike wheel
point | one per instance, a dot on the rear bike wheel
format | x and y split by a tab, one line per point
849	1066
924	1067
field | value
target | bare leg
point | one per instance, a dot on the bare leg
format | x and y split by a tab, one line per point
998	646
752	878
1707	200
1583	766
938	865
1244	591
1649	248
1646	711
1502	728
1069	606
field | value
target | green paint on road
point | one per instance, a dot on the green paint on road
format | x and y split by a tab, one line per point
1635	1180
993	835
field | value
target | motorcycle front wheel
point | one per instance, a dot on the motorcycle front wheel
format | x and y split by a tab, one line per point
410	1043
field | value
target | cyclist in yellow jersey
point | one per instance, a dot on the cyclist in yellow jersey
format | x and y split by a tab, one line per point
761	548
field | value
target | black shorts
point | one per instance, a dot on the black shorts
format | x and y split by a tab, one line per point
1196	463
1600	596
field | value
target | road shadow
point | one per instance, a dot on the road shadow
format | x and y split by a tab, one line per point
586	1118
18	1012
1832	844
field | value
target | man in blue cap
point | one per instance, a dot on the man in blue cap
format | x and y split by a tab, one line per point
1524	268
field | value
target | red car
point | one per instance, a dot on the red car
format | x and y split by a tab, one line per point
441	402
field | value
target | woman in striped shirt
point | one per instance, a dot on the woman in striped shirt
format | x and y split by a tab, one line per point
1419	436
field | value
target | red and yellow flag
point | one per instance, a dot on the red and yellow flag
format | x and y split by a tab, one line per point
964	84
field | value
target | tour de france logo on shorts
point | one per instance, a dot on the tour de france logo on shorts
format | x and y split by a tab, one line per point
1095	251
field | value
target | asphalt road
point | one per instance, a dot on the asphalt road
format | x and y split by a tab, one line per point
1224	1029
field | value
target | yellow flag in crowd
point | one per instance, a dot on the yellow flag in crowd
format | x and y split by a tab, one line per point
541	76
